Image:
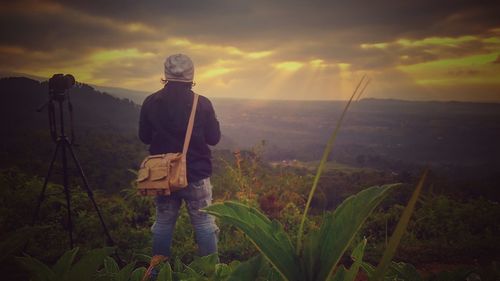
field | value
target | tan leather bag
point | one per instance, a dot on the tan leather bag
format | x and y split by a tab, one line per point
162	174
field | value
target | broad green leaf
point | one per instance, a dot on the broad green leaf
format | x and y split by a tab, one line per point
368	269
165	273
125	272
234	264
178	265
403	271
399	231
191	274
87	266
63	264
222	271
137	274
110	265
38	270
268	236
357	257
339	229
310	254
247	270
269	273
142	258
340	275
205	265
397	271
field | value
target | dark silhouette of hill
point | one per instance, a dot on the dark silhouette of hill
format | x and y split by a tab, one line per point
105	129
92	109
121	93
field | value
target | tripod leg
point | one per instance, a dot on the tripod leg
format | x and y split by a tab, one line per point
46	181
90	194
66	190
41	197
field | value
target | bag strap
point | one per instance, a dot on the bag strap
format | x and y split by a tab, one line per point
189	130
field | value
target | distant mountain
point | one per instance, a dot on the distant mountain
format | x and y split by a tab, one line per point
133	95
453	132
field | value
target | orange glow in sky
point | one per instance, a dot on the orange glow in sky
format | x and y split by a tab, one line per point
260	50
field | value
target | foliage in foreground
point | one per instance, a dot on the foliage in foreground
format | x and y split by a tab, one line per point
322	250
206	269
318	259
65	268
323	247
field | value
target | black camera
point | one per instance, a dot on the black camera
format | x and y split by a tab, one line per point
58	85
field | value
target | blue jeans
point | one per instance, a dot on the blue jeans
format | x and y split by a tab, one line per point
197	195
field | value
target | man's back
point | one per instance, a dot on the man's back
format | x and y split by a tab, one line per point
163	124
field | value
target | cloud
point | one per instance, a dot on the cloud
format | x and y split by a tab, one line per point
45	26
272	49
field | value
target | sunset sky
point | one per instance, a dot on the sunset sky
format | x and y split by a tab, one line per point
418	49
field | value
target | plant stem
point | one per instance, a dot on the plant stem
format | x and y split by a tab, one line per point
321	166
363	89
399	231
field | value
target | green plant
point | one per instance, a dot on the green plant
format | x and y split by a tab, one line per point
65	269
400	230
395	271
112	272
323	247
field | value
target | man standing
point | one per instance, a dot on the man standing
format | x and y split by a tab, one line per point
163	123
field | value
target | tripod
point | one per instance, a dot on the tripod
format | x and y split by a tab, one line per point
64	145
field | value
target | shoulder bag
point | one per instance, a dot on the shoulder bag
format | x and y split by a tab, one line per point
161	174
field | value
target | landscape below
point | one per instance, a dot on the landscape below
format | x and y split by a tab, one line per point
267	159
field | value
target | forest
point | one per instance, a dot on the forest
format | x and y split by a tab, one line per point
264	169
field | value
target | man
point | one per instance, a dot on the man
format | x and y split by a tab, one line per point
163	123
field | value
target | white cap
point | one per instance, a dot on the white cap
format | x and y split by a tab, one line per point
179	67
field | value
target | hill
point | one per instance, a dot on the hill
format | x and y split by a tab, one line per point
105	132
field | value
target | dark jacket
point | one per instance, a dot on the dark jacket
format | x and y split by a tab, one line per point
163	123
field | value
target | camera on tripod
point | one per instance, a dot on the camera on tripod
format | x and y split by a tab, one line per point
59	84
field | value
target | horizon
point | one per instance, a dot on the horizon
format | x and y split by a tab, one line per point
100	88
262	50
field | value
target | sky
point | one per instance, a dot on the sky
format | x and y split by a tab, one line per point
294	49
